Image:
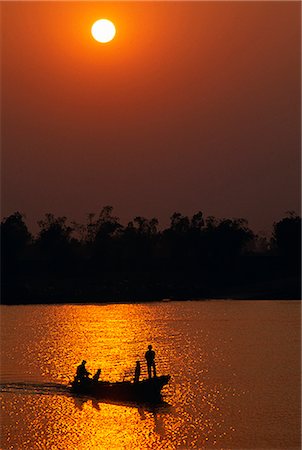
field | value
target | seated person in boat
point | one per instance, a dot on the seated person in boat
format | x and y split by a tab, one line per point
137	372
82	372
150	356
96	376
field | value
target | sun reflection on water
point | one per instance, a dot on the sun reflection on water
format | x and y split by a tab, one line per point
206	400
112	337
74	423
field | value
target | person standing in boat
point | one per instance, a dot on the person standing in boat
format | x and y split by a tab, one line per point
150	357
82	372
137	372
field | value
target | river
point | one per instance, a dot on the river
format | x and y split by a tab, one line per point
234	366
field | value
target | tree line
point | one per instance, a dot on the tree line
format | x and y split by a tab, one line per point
194	256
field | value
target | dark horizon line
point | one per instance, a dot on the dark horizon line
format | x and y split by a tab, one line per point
95	215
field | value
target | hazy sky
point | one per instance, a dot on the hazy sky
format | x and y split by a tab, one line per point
193	106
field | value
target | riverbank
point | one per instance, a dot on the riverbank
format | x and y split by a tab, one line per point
132	291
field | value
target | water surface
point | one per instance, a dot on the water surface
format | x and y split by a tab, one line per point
235	368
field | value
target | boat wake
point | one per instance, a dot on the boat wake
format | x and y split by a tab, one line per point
35	388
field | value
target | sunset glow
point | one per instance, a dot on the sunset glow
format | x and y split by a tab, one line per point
103	30
184	88
150	225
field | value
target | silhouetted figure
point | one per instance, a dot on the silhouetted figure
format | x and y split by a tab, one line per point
82	372
150	356
137	372
96	376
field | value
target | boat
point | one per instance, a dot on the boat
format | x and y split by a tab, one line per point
147	390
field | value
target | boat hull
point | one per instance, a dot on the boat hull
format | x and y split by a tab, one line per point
142	391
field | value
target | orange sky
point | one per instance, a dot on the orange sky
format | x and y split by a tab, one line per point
193	106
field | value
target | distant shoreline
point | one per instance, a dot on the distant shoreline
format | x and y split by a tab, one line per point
106	303
195	258
68	291
284	289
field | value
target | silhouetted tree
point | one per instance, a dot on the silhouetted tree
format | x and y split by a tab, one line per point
138	242
182	240
102	236
197	221
287	238
226	239
179	224
15	240
54	242
14	237
145	227
104	226
194	256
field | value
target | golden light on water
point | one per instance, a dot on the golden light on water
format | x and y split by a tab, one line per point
112	337
216	386
103	30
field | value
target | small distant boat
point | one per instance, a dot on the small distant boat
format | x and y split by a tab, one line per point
148	390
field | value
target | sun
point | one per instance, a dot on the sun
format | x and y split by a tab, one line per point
103	30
